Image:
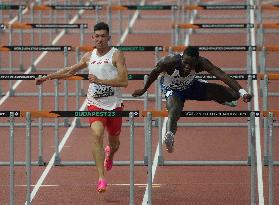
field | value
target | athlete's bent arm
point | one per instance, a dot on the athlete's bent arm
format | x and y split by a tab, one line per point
159	68
221	75
67	71
121	80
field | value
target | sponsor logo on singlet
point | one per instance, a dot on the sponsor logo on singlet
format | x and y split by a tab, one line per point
103	61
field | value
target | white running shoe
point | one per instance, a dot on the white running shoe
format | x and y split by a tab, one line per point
169	141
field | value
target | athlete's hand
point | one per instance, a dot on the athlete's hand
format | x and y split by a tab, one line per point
138	92
39	81
247	97
93	79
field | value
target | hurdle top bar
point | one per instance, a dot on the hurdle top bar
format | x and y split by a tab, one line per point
203	113
43	26
231	7
87	48
142	7
156	113
55	114
11	7
130	76
225	26
66	7
179	48
213	26
137	113
35	48
271	76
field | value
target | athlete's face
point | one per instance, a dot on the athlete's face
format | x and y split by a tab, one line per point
188	64
101	38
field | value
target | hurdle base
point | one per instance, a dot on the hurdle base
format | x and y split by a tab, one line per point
57	160
11	92
41	161
249	160
205	163
66	123
160	160
265	161
78	123
145	160
33	68
92	163
21	68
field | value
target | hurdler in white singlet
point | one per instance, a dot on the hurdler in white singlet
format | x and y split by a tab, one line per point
103	96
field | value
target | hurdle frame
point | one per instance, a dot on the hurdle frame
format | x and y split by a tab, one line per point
149	114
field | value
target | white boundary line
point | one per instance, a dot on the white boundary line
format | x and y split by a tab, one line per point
256	107
51	162
71	128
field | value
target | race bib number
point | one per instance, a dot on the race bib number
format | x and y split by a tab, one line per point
101	91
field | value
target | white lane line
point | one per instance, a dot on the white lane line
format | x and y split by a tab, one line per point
63	141
36	62
23	12
256	107
130	25
51	162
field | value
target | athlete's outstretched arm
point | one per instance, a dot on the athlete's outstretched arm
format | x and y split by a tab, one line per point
159	68
67	71
221	75
121	80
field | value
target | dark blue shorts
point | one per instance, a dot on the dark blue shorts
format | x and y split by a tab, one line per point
196	91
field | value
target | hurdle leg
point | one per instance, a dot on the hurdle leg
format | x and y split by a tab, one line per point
66	88
265	120
149	154
270	159
12	159
250	90
132	160
56	126
253	160
160	123
40	129
11	91
145	105
78	123
28	158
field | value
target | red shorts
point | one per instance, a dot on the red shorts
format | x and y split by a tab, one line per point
112	124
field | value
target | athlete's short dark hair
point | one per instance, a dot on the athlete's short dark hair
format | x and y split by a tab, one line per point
192	51
101	26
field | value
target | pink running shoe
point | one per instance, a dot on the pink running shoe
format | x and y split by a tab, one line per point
108	162
102	185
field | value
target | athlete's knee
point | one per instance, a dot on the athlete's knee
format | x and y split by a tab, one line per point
174	114
97	134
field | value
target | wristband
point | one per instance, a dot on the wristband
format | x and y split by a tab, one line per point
242	92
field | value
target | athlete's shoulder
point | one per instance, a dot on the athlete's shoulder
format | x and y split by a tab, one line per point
169	60
117	54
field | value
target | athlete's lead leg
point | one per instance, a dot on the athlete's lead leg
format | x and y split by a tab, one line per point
175	107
